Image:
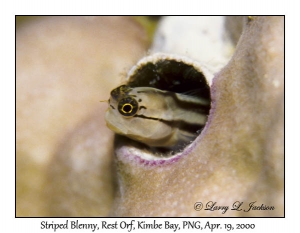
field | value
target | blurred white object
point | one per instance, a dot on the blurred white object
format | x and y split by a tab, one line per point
202	38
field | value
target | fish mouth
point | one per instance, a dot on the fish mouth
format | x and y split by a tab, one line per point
170	73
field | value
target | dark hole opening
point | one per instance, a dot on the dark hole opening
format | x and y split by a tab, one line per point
174	76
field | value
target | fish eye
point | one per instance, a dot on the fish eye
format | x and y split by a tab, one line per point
128	106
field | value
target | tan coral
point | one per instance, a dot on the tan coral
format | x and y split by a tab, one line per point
239	156
65	65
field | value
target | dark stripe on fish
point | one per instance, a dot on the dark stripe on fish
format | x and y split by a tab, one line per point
181	124
189	105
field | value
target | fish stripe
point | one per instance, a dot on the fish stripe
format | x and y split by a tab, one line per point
188	103
181	124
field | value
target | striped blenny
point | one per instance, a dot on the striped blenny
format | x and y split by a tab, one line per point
155	117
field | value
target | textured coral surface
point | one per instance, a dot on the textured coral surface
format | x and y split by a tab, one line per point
65	156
